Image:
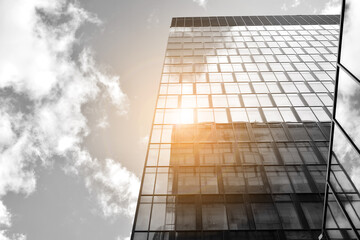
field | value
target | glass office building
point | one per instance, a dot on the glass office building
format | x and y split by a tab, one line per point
240	135
342	203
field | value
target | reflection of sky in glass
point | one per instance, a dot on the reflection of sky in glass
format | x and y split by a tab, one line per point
348	106
347	157
351	34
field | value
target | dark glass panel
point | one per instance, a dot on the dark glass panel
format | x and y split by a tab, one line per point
318	174
140	236
267	152
313	213
298	131
299	235
249	153
214	217
212	235
298	179
288	216
233	180
254	180
278	132
314	131
185	217
323	148
289	153
159	236
308	154
278	180
208	180
188	235
188	180
241	132
237	216
261	132
265	216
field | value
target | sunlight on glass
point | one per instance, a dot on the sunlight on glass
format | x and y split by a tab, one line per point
186	116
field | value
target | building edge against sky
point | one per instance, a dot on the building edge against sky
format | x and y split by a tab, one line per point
342	197
240	132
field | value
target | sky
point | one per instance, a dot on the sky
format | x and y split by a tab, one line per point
78	84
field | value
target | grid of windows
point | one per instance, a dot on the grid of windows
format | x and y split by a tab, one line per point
240	133
342	203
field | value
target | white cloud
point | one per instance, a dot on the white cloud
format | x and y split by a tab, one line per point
42	89
201	3
103	122
152	19
290	4
332	7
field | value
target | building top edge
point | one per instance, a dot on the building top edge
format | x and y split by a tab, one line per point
218	21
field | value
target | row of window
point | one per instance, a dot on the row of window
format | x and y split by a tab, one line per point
243	36
245	100
244	87
241	132
254	31
243	154
253	58
245	51
234	235
323	76
227	115
231	216
234	180
259	27
229	42
248	67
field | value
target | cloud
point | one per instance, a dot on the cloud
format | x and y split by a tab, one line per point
152	19
201	3
332	7
292	4
44	85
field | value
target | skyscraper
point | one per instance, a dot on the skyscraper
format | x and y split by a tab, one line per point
240	133
342	202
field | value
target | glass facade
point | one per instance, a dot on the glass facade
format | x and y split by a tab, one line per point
342	202
240	135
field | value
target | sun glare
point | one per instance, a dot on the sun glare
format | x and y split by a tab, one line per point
187	116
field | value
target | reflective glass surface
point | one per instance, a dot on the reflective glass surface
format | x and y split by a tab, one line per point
240	134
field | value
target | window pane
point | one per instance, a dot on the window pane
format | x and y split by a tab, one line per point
214	217
185	217
313	213
288	215
350	49
265	216
233	180
347	108
162	217
143	216
278	180
237	216
188	180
